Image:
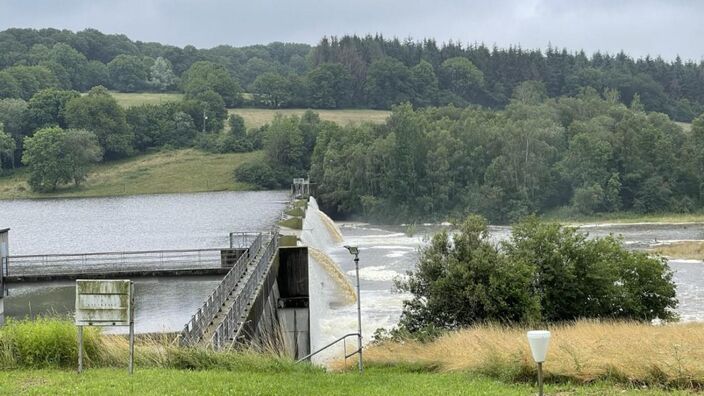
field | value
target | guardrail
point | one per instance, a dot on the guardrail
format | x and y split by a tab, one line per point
195	328
342	339
242	240
236	315
115	262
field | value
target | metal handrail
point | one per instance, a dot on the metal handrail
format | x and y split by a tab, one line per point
193	330
129	253
98	263
238	310
344	337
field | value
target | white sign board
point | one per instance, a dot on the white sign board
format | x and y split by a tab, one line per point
103	302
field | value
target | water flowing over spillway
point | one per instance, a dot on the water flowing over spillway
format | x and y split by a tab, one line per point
329	286
384	255
333	229
333	270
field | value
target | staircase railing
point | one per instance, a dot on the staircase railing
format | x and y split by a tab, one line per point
195	328
236	315
342	339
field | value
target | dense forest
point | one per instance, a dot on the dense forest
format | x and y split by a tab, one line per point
343	72
501	133
584	154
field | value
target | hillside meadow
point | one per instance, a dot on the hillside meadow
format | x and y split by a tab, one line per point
255	117
166	171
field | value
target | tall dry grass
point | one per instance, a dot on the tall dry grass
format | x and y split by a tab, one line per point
683	250
671	355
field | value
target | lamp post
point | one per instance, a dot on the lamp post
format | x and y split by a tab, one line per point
355	252
539	341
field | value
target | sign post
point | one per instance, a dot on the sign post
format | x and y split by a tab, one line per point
104	303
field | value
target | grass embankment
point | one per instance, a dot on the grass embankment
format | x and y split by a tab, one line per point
563	215
39	357
253	382
187	170
631	354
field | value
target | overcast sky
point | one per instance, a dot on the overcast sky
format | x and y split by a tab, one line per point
638	27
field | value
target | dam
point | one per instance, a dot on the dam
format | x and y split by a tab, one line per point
263	295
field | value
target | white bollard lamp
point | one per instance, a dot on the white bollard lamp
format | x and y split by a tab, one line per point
539	341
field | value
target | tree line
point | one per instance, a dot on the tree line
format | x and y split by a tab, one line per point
576	155
60	134
345	72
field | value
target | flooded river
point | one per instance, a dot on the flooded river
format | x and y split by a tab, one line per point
387	252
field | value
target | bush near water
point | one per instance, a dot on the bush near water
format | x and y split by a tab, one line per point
545	273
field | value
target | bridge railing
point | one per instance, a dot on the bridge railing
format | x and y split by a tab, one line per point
115	262
242	240
227	328
195	328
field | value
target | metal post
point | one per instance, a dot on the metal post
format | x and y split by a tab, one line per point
540	378
359	316
131	365
80	349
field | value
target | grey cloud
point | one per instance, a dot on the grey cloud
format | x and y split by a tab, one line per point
666	28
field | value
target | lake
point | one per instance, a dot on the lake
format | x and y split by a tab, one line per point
147	222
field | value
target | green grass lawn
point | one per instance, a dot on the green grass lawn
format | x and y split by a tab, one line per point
186	170
685	125
385	382
570	216
136	99
255	118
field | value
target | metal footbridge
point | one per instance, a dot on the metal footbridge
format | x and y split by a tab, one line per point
221	317
216	323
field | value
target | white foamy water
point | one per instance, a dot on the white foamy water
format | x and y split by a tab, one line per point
376	273
383	256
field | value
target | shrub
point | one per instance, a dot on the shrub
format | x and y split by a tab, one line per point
44	342
545	272
260	174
